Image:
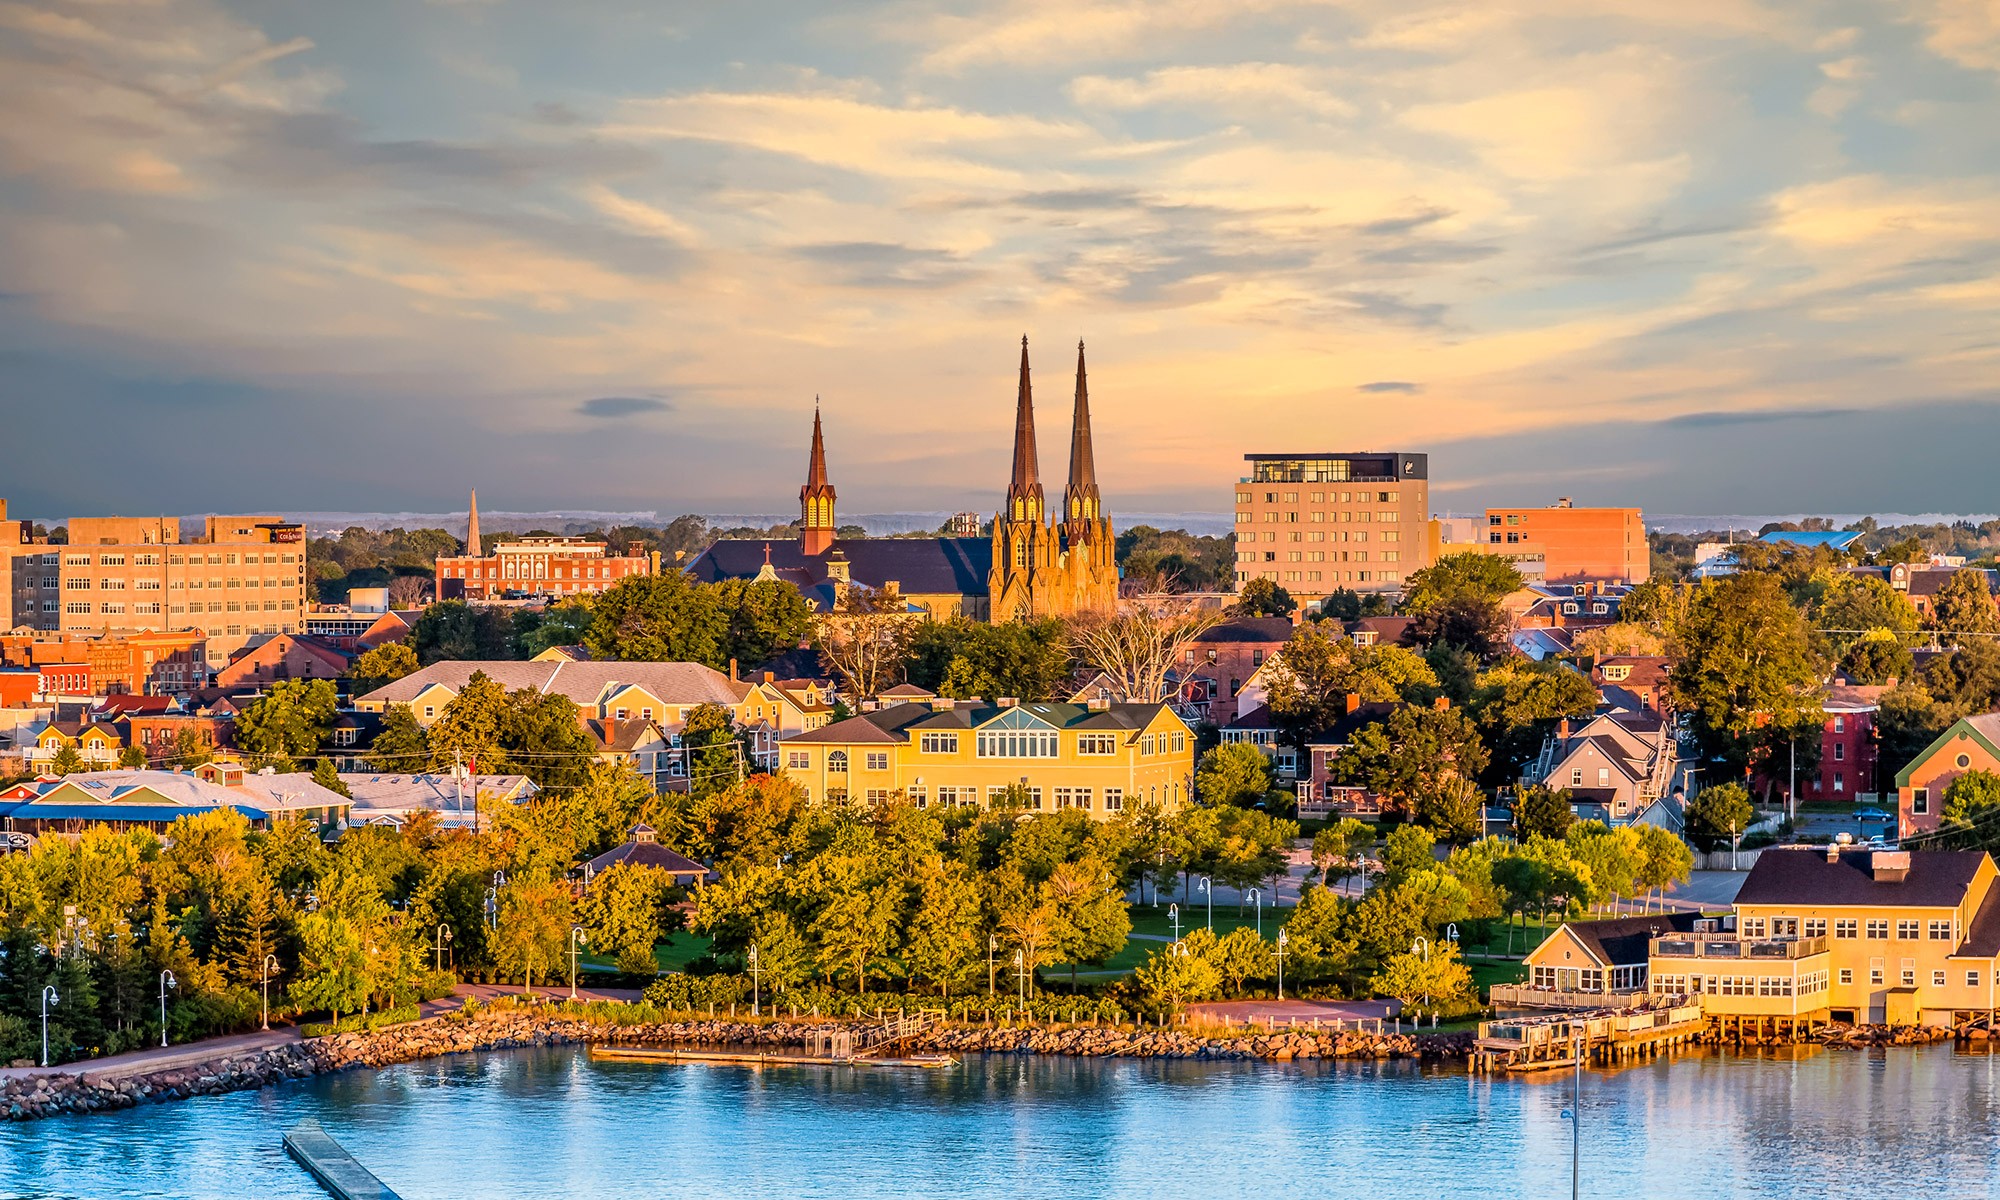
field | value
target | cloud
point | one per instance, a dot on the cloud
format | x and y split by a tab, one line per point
1241	86
1391	385
614	407
1966	32
1712	420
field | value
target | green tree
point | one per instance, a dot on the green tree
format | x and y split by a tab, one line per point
132	758
1517	705
383	665
624	912
1877	657
534	924
191	748
1178	974
1262	597
1659	606
1664	860
1479	627
714	751
766	618
659	618
1337	848
1233	773
540	732
563	624
456	631
401	744
1314	676
1971	806
1466	575
1436	981
1749	677
1241	954
1966	680
333	965
291	721
1542	812
1095	922
1965	605
66	761
1422	761
1718	815
1909	720
324	775
946	939
858	930
467	732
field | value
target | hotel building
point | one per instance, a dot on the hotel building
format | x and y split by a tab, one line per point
1314	523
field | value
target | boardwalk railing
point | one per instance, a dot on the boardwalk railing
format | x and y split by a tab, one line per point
1506	995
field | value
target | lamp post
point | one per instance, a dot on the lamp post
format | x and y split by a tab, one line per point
1174	915
1421	948
167	980
443	936
1257	905
576	941
1202	883
992	946
1282	941
756	997
492	908
49	997
264	984
1021	976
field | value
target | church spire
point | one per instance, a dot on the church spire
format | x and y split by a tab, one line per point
472	543
816	526
1024	491
1080	499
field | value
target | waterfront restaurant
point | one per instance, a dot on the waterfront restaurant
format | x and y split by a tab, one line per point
1593	964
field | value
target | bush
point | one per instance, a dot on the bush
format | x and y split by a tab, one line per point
697	993
370	1022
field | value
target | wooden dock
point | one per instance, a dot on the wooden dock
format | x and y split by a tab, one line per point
649	1054
328	1162
1606	1037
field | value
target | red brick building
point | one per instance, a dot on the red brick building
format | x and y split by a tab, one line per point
285	657
1214	669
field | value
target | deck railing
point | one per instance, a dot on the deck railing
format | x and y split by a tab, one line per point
1522	996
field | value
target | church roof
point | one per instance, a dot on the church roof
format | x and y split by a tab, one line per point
918	566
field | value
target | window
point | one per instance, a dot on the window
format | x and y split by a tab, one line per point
1937	978
344	737
1114	799
878	760
918	797
1146	744
1906	931
1576	776
1097	743
1972	979
1840	722
1938	931
1878	929
1909	976
1875	971
429	712
621	713
1604	777
1753	927
1840	751
1920	801
1846	975
1016	743
878	795
938	743
1964	760
837	761
798	760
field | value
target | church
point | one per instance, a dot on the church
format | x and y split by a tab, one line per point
1035	564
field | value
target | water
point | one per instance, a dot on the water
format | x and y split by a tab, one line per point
549	1123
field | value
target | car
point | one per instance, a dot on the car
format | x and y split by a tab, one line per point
1870	814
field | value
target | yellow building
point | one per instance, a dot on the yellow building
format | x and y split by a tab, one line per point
1847	934
1099	757
1592	964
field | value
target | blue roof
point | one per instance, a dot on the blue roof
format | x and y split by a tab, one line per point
34	810
1837	539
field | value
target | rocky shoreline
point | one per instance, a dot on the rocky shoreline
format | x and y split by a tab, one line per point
39	1096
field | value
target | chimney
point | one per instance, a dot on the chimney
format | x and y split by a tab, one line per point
770	677
1889	866
1562	730
1354	702
1009	701
732	670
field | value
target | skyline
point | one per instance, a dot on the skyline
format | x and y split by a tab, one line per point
1709	258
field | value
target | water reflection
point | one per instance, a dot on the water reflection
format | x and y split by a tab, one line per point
1792	1123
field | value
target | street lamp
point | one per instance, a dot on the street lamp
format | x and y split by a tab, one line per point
167	980
49	997
576	941
755	997
1202	883
1282	940
1174	915
1021	977
443	936
992	946
492	909
1257	905
1421	948
264	983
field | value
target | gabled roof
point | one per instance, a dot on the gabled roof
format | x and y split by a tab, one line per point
918	566
1852	698
583	683
648	854
895	723
1983	728
383	791
623	737
1262	630
1936	878
1627	941
108	793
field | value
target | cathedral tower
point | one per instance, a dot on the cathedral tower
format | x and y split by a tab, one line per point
816	527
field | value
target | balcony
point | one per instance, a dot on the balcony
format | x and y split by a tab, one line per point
1729	946
1520	995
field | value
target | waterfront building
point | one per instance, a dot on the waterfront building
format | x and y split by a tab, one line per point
1036	563
1315	523
1593	964
1100	757
1971	744
156	799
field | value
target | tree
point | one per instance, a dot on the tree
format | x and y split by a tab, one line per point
324	775
383	665
401	744
1853	606
1312	679
624	913
1718	815
563	624
1179	974
1971	806
766	617
1619	639
1337	848
1749	677
1967	680
945	943
191	748
1262	597
454	630
1469	575
866	638
1242	954
1664	860
1480	627
534	925
1140	647
1422	761
1233	773
1095	922
715	755
1965	604
291	721
467	732
1542	812
540	732
1658	606
333	965
1877	657
132	758
659	618
1517	705
1437	980
858	930
1910	719
66	761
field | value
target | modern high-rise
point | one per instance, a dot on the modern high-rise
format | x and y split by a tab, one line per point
1315	523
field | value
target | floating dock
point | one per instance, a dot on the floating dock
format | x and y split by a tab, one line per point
730	1058
328	1162
1543	1043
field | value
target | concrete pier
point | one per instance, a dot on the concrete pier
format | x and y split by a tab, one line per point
328	1161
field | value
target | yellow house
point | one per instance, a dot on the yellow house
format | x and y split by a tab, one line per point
1592	964
95	742
1099	757
1847	934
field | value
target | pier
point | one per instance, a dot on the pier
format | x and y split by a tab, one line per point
328	1162
1604	1037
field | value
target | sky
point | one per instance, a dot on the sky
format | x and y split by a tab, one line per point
1697	256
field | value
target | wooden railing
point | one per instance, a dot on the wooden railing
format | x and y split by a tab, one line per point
1522	996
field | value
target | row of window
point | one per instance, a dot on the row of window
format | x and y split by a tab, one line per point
1319	497
1321	535
173	560
1360	556
1083	799
1385	516
1874	929
85	583
1325	576
1809	983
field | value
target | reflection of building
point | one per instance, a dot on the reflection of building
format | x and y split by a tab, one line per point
1099	757
1034	564
536	566
1564	544
1314	523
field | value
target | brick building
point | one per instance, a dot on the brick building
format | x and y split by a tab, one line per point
1573	544
540	566
283	658
1312	523
149	663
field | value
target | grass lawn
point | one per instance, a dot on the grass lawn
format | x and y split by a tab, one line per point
1486	974
1152	931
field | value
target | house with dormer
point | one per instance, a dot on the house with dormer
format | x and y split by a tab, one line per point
1614	766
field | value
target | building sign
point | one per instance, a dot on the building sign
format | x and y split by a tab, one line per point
287	533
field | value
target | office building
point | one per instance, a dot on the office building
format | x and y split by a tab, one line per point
1315	523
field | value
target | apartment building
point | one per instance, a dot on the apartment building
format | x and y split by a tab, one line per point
540	566
1100	757
1315	523
241	580
1567	544
161	663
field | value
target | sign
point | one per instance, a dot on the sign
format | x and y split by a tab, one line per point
292	534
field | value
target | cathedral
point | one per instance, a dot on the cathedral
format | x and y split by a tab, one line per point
1035	564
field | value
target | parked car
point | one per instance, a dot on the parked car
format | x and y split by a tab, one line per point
1870	814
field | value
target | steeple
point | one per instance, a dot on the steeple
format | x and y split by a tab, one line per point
1024	491
1080	499
816	526
472	544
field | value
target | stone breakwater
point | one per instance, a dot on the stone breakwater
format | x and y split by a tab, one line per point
46	1095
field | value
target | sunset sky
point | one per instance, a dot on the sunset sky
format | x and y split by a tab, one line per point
1695	255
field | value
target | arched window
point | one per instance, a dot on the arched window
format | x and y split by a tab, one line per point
837	761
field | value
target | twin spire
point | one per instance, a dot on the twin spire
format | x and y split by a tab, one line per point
1024	491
